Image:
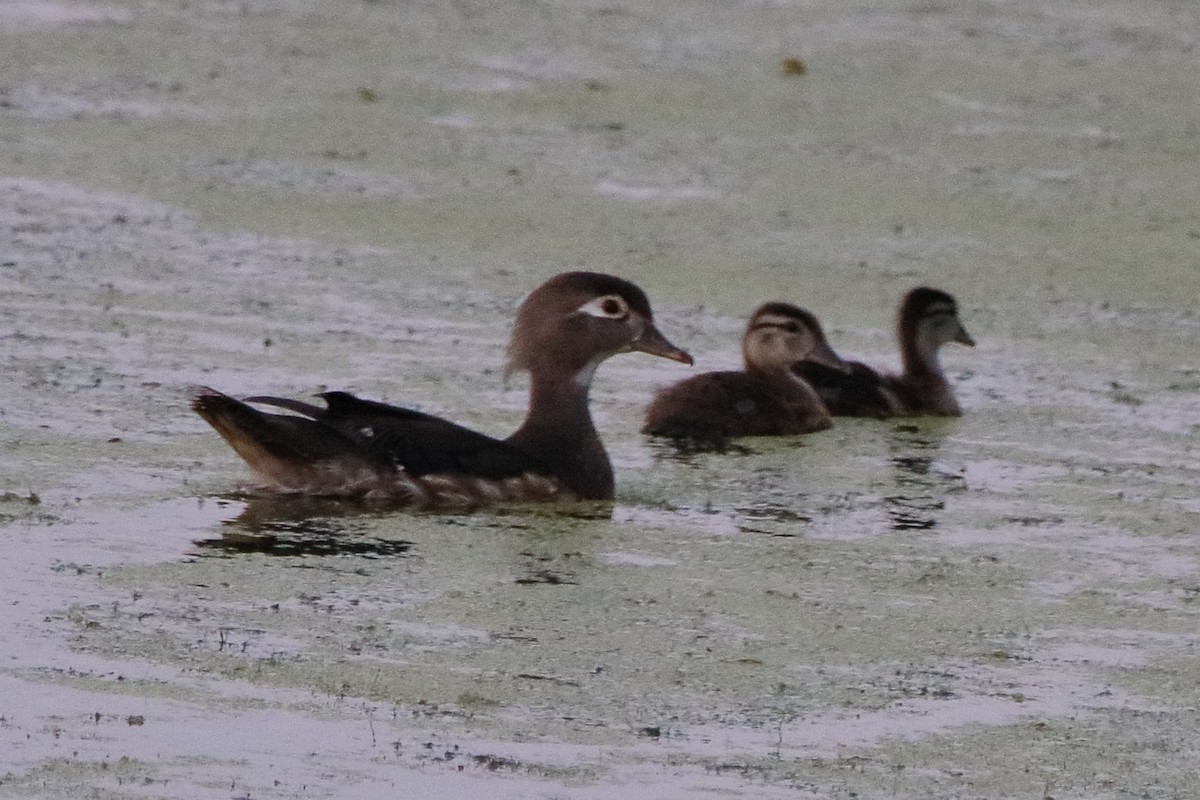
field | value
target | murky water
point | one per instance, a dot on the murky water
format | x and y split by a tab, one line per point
286	196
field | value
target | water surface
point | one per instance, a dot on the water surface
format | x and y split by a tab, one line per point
285	196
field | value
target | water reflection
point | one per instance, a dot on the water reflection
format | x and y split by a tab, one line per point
231	543
289	525
922	482
687	449
297	525
772	520
299	513
548	568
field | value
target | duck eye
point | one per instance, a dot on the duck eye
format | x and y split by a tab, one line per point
791	327
610	307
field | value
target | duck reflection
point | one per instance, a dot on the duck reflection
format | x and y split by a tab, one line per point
922	481
305	525
692	450
293	525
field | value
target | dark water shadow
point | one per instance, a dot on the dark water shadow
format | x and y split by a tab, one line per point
307	544
290	525
298	525
771	520
922	483
552	569
687	449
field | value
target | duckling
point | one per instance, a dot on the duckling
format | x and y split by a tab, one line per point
352	447
766	398
927	319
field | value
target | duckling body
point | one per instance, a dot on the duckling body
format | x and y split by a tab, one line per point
766	398
354	447
927	319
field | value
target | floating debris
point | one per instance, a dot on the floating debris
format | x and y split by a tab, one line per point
793	66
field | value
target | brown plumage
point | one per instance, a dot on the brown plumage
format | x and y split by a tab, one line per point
565	328
766	398
927	319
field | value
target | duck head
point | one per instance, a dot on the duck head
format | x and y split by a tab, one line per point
571	323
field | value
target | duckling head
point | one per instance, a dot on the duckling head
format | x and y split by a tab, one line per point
780	334
929	319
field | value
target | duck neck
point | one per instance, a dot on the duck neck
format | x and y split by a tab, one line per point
558	432
922	387
920	359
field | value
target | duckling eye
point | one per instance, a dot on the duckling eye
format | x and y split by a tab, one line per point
791	327
609	307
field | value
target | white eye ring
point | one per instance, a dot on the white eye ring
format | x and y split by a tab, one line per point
610	306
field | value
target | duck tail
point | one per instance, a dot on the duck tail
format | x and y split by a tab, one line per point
284	451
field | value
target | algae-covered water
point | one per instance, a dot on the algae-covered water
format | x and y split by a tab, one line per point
286	196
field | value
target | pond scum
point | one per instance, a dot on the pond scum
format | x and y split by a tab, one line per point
1001	605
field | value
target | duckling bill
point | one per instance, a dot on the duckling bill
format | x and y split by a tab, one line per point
353	447
766	398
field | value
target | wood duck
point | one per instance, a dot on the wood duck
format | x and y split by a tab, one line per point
767	398
564	329
927	319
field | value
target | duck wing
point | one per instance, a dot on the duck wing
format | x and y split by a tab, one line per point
858	392
416	442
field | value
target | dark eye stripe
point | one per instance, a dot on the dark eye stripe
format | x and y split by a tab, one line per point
939	311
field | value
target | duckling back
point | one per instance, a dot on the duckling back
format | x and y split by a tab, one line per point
720	405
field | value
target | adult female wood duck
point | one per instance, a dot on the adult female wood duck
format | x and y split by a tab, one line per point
764	399
927	319
564	329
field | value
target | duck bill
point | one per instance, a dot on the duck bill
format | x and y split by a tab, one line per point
654	343
962	337
823	354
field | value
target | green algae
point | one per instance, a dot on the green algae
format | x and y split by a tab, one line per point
286	197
